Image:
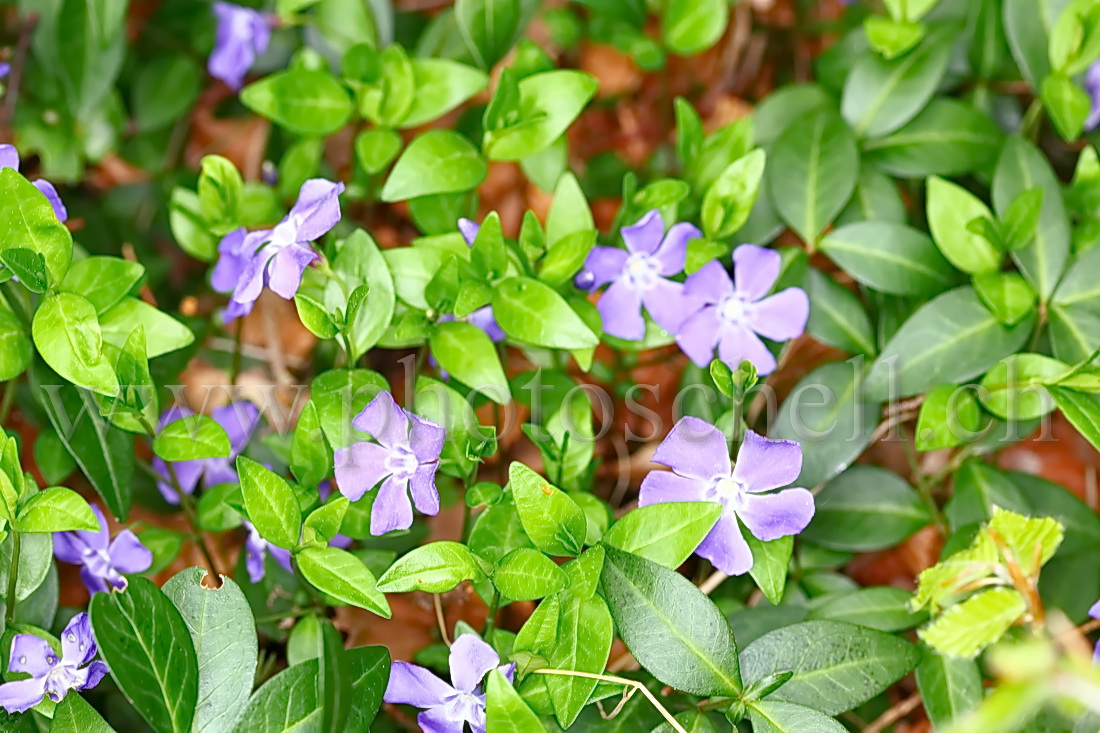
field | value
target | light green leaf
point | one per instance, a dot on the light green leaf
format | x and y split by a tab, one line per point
436	567
551	519
525	575
438	161
344	577
534	313
56	510
666	534
271	504
303	101
192	437
965	629
469	356
68	337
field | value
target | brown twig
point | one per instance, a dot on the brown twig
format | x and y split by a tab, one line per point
894	714
16	75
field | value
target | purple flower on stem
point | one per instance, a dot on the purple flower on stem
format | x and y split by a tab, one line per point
696	452
405	458
9	158
1092	88
735	313
448	707
5	69
256	548
242	35
639	276
1094	612
276	258
239	420
49	675
104	560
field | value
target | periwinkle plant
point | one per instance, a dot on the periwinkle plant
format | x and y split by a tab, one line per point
598	384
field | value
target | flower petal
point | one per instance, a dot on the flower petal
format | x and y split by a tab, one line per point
97	670
699	334
1094	612
764	464
667	304
710	283
411	684
239	420
469	230
392	508
755	270
284	271
255	548
696	449
359	468
441	720
782	316
22	695
317	209
660	487
646	235
31	654
725	547
739	344
673	250
384	421
425	495
128	555
50	193
471	660
9	156
605	264
425	438
620	308
771	516
77	643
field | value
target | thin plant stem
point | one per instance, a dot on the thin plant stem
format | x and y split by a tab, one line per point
622	681
13	575
7	401
438	602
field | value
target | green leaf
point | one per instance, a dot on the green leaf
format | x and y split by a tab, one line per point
16	349
163	333
965	629
145	642
310	455
360	262
27	221
770	562
949	416
526	575
224	636
56	510
74	715
302	101
220	189
1014	386
952	338
375	148
271	504
369	669
947	138
1027	26
891	38
569	212
433	568
551	519
389	102
837	318
690	27
489	28
948	686
891	258
314	317
548	104
438	161
344	577
289	701
1083	412
102	281
1067	104
1022	167
673	630
837	666
866	508
1007	295
441	85
35	561
666	534
505	710
469	356
534	313
813	171
28	266
188	225
950	208
978	488
105	455
880	96
885	609
190	438
729	200
774	716
67	334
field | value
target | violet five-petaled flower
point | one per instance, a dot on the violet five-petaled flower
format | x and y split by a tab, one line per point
1094	612
239	420
1092	88
9	158
639	276
256	549
242	35
404	459
447	708
696	452
52	676
276	258
734	314
103	560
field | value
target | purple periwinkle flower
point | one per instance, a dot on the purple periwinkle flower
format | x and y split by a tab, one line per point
9	158
51	676
1094	612
735	313
1092	87
103	560
447	708
696	452
256	549
5	69
242	35
276	258
639	276
405	458
239	420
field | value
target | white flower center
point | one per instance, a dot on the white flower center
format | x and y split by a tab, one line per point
727	491
733	310
641	271
402	463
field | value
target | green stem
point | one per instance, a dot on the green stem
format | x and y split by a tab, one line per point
1029	127
490	620
13	575
7	401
